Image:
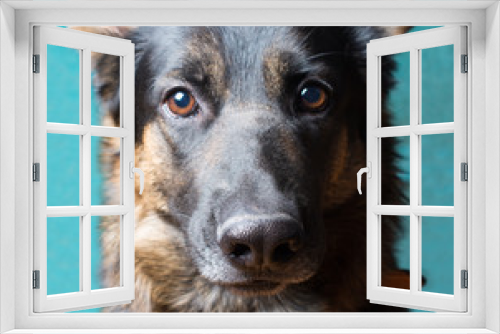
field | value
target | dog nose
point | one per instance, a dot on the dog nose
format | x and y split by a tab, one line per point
253	242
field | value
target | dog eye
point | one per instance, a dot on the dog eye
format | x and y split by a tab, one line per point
180	103
312	98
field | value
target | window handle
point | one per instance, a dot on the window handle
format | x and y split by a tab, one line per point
368	171
141	175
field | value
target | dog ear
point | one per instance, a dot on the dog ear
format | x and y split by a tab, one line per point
399	279
113	31
107	69
392	31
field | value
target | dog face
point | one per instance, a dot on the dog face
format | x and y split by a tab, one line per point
249	137
249	116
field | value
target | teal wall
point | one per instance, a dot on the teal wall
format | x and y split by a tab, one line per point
437	153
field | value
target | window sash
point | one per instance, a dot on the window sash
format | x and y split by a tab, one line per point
85	43
413	43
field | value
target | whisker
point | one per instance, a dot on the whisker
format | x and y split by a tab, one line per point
181	214
306	36
331	53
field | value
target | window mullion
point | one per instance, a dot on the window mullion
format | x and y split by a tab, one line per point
414	171
419	129
85	242
419	210
104	131
67	129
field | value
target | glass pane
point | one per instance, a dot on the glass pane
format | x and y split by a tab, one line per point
397	99
437	254
63	255
63	85
106	183
106	88
106	239
437	169
63	170
396	271
395	178
437	84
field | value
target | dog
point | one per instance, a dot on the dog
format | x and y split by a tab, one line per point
250	139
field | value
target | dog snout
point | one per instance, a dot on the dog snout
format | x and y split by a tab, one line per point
253	243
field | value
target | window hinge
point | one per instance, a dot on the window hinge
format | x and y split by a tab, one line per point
36	172
465	279
465	63
464	171
36	63
36	279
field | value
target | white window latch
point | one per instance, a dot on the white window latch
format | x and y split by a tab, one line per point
133	170
368	171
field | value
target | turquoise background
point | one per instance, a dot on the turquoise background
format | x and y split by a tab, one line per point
437	156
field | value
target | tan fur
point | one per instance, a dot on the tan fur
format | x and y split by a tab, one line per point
206	51
274	67
391	31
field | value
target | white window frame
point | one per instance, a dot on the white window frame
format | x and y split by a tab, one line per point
414	44
483	21
85	43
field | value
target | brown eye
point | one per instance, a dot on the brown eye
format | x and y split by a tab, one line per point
180	102
313	98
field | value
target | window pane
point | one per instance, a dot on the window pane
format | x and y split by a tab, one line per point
63	170
437	254
63	85
106	88
106	239
437	84
106	183
437	169
396	274
395	155
63	255
398	98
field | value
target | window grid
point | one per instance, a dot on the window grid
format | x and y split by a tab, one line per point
415	298
85	130
85	42
415	210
